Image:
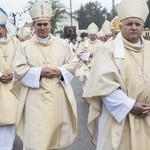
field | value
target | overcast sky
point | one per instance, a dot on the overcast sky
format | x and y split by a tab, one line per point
18	5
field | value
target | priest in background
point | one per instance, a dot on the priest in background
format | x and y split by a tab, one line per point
86	53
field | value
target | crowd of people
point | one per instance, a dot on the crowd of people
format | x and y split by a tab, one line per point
37	101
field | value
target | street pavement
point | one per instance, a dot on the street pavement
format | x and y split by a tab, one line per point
83	140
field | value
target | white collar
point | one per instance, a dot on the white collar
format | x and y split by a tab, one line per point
43	40
138	44
3	39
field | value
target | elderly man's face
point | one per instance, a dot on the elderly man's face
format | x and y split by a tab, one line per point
42	28
92	37
132	29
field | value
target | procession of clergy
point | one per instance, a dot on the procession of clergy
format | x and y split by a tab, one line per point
36	98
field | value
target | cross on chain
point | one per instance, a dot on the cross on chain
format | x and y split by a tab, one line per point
5	57
46	62
144	76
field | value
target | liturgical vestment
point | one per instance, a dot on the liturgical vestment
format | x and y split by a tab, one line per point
86	47
8	102
132	75
47	116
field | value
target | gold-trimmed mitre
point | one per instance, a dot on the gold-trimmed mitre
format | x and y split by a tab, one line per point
115	24
41	11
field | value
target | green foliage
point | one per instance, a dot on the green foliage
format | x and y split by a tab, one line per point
83	35
112	14
91	12
147	23
58	14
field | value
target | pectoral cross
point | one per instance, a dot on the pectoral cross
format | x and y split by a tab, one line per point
144	76
46	62
5	57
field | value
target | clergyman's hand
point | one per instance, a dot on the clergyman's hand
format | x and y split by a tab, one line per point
141	109
48	72
55	72
45	72
6	78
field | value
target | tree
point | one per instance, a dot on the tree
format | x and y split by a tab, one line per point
58	10
58	14
112	14
81	17
91	12
147	23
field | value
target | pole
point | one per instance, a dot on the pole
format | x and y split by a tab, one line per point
71	11
113	7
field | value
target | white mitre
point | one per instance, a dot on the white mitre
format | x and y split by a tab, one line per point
41	11
106	27
92	28
101	33
23	33
3	17
132	8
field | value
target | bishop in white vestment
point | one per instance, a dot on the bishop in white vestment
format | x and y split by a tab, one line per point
47	113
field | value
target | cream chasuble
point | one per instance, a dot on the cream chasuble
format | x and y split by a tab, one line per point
132	75
47	116
85	66
8	102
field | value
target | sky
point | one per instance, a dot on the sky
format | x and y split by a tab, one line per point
19	5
